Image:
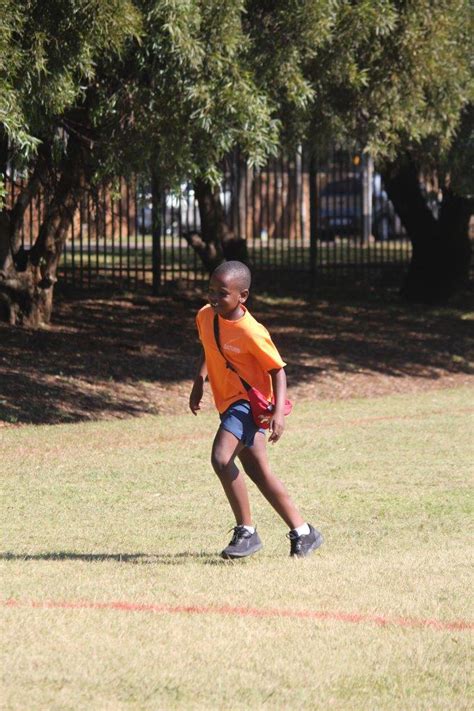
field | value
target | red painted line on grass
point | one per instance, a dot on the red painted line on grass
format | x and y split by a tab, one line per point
228	610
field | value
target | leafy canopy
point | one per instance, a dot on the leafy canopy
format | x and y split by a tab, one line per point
178	83
48	58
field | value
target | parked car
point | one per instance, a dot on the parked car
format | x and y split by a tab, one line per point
340	209
178	206
181	212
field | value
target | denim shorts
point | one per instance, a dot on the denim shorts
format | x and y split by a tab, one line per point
238	420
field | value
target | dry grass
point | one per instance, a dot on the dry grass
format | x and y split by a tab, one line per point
128	510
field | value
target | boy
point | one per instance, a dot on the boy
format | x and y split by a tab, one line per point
249	349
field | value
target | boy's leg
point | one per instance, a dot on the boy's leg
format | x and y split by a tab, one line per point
225	448
255	462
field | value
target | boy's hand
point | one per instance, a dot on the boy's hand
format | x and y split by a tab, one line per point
196	397
277	425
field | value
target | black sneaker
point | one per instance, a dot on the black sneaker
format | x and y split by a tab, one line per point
243	543
302	546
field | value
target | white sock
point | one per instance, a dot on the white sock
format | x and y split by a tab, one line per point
302	530
250	529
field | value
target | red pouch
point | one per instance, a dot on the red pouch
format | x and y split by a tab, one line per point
262	409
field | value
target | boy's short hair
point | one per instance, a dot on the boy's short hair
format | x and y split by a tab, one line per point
237	270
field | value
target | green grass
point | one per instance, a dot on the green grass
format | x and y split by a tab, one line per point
176	255
129	510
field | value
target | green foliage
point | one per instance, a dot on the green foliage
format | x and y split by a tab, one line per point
48	58
176	84
395	75
188	92
284	37
459	161
11	115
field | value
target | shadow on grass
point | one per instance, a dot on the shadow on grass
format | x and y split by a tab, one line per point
135	558
117	356
202	557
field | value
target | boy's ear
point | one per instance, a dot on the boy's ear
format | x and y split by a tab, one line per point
244	295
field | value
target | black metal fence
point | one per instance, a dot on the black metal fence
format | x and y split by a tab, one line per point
310	219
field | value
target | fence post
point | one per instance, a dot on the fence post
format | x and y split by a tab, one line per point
313	220
156	229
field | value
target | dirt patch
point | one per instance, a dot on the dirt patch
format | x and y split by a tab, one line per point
123	356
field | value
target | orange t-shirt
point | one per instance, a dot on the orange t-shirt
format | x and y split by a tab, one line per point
247	346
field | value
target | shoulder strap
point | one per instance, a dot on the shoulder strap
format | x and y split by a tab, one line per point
218	343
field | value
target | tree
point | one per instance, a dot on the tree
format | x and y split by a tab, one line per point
196	93
48	59
399	79
93	90
163	84
196	99
393	76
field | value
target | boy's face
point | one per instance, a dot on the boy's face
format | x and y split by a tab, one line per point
226	296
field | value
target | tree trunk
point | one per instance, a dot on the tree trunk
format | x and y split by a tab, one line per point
27	277
216	241
441	247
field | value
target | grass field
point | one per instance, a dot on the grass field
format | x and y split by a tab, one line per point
114	596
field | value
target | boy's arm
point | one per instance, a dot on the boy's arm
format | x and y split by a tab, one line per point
277	423
198	386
